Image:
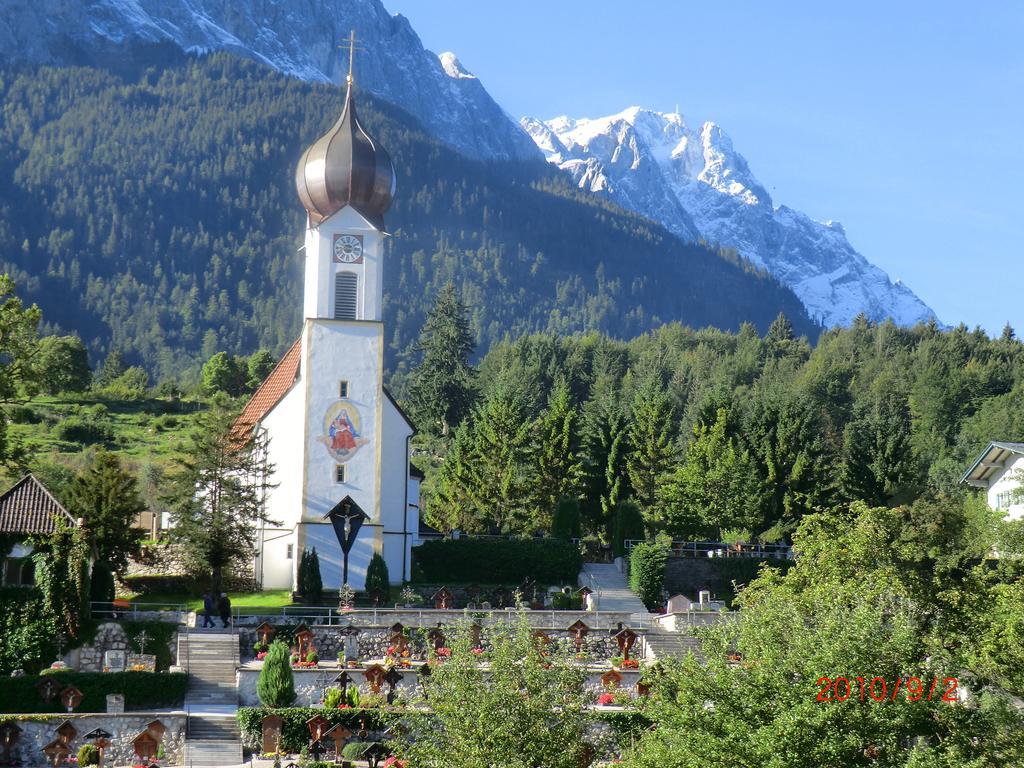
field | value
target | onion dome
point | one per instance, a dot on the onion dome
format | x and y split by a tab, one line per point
346	166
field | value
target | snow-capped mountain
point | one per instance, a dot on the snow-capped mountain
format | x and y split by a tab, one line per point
694	182
298	37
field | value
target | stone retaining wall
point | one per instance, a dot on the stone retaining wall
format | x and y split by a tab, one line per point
373	642
40	730
110	636
310	684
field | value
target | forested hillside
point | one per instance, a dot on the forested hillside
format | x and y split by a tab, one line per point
696	433
156	213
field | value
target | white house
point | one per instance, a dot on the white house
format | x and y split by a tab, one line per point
999	470
337	439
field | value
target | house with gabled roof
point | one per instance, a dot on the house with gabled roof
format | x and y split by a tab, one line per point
27	509
999	471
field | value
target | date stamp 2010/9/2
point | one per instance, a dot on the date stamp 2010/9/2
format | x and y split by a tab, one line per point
879	689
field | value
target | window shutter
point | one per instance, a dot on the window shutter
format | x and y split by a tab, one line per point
346	296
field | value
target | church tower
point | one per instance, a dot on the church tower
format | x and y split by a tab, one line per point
339	442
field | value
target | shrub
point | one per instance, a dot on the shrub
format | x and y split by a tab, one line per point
562	601
22	414
88	754
276	687
565	523
377	578
311	585
629	524
547	561
101	585
294	732
333	697
85	429
647	571
142	691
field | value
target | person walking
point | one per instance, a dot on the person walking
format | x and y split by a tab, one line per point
224	606
209	607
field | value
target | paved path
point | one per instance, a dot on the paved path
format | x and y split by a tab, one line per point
613	591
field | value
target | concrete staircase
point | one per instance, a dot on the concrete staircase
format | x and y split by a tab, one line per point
211	659
662	644
613	592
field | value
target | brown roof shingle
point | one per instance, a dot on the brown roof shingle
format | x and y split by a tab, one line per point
29	508
273	388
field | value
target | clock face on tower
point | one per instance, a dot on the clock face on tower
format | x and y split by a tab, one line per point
348	249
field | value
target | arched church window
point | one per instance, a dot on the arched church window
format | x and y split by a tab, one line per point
346	285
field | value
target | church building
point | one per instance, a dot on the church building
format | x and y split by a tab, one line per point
337	440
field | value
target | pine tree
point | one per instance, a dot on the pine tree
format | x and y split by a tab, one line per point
604	447
652	449
258	367
275	685
565	523
217	492
107	496
715	487
112	369
441	390
378	581
629	525
449	506
314	581
500	466
559	468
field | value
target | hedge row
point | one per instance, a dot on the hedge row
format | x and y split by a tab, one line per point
496	561
294	732
142	690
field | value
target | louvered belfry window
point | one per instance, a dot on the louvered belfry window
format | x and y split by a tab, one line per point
346	296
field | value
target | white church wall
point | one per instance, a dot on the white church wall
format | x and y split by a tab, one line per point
1006	485
285	453
322	536
393	488
353	352
413	508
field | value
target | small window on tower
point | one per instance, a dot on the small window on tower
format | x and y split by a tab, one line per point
339	473
343	389
289	551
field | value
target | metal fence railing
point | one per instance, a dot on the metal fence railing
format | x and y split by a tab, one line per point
721	549
380	617
127	609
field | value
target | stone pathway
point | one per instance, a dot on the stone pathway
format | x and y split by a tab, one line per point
613	592
211	659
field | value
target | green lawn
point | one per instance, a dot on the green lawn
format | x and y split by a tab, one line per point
271	599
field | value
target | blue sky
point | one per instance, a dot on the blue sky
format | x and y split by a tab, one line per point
904	121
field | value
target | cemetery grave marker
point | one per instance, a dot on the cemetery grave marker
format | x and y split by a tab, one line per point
9	735
70	698
115	661
611	679
443	598
579	632
625	639
392	678
265	632
375	676
338	733
57	751
48	689
101	739
272	725
317	725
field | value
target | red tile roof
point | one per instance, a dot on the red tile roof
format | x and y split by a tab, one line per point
272	389
29	508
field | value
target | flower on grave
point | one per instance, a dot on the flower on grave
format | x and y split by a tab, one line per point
630	664
443	653
390	651
261	656
478	651
393	762
344	706
606	699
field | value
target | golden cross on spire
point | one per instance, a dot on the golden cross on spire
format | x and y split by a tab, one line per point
352	48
